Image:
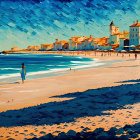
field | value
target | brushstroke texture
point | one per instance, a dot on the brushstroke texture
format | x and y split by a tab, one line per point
34	22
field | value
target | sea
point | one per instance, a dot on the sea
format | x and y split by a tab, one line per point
41	65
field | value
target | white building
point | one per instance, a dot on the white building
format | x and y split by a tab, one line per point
76	41
62	44
117	38
81	43
45	47
115	35
113	29
134	35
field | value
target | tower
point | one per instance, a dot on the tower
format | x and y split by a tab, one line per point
112	28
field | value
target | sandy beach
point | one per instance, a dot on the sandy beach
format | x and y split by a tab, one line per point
82	100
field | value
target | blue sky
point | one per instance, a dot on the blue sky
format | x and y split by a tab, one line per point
33	22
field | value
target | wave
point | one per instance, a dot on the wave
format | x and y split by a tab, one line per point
4	54
91	64
58	70
88	66
9	68
46	72
80	57
60	65
73	64
9	75
50	71
58	56
55	65
28	74
79	62
49	65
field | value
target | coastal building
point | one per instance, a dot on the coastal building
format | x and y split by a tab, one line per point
134	36
115	46
76	42
113	29
14	48
126	34
81	43
115	35
33	48
124	41
88	43
46	47
60	45
118	39
96	43
101	43
65	45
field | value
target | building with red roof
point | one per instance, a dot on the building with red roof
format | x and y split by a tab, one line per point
134	36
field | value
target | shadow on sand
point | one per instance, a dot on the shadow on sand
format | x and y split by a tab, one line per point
8	83
130	81
125	133
14	83
88	103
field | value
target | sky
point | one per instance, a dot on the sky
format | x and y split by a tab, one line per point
35	22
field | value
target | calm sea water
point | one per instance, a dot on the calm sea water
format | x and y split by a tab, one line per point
40	65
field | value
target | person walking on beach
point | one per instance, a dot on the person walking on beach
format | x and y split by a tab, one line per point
135	56
23	73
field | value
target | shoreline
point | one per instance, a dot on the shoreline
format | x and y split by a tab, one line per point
95	63
52	71
38	92
83	71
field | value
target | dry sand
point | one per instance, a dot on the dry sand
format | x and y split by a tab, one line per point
35	92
